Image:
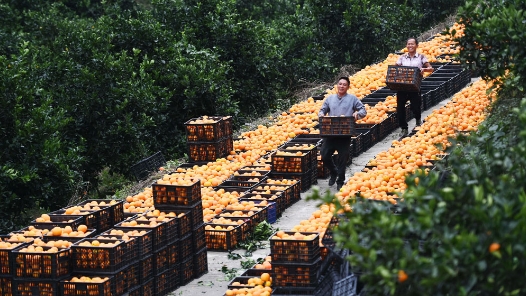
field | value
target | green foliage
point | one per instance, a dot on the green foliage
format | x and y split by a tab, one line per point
360	32
494	39
109	183
89	85
442	236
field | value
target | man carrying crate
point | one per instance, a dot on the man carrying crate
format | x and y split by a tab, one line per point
341	104
411	59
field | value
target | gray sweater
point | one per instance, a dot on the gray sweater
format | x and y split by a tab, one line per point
334	106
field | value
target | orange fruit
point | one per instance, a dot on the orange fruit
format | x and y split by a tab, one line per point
402	276
82	228
265	276
494	247
56	231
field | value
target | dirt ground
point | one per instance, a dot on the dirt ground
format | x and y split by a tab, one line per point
214	283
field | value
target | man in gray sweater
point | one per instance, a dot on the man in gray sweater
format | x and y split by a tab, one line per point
340	104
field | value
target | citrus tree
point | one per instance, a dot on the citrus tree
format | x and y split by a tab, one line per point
494	39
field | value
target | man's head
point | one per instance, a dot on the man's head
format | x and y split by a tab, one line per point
411	44
343	85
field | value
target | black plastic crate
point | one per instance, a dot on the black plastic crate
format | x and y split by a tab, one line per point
6	259
322	172
132	244
199	131
148	288
142	169
100	258
346	286
196	212
304	178
173	251
358	144
209	151
336	126
200	262
88	218
315	139
291	163
146	269
374	132
292	191
144	238
161	260
133	279
238	185
176	195
428	99
59	221
162	233
403	78
199	237
34	286
114	207
245	226
240	282
248	178
43	265
310	149
222	240
6	286
254	272
165	282
272	208
250	173
186	271
277	198
295	250
295	291
252	218
364	139
295	274
185	248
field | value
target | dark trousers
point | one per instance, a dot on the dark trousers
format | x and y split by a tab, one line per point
401	99
342	145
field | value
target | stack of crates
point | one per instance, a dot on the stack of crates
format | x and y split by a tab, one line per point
6	274
26	270
295	262
185	201
36	267
296	161
321	171
209	138
159	233
140	241
105	259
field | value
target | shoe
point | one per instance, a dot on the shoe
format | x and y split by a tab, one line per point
332	180
418	122
339	186
403	133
